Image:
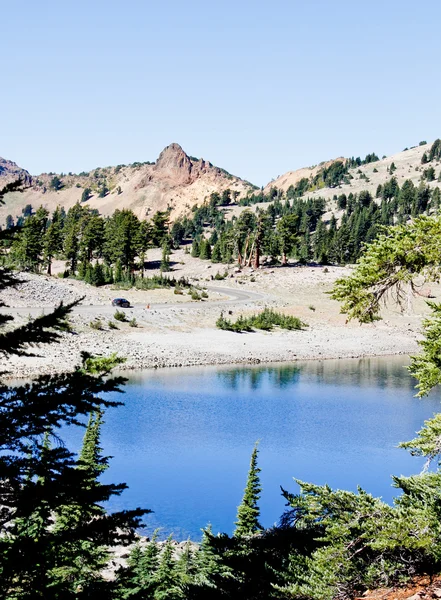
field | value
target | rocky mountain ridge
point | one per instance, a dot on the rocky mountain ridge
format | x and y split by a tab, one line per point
175	181
10	171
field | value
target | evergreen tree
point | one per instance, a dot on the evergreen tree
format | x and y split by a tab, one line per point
86	194
160	228
166	582
53	239
38	481
165	259
56	183
287	235
97	276
121	234
216	254
248	512
27	248
205	250
195	248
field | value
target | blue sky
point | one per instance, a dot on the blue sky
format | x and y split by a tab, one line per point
258	88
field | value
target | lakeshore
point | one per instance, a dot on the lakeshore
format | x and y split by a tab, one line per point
174	331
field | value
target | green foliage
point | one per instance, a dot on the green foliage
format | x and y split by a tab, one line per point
435	150
248	512
56	183
266	320
104	190
133	322
87	192
120	316
160	228
389	265
96	324
221	276
205	250
194	294
195	249
54	533
361	542
426	367
160	281
165	259
429	174
112	325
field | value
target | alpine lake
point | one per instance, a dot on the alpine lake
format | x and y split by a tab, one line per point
183	439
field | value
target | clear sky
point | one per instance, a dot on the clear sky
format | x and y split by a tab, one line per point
258	88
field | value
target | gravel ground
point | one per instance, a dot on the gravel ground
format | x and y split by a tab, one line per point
175	331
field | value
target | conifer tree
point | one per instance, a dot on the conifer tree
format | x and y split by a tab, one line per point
209	563
165	259
248	512
37	480
216	254
195	248
166	582
205	250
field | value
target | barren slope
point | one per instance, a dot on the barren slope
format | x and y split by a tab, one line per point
408	166
175	180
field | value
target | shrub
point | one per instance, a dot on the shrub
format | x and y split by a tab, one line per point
178	291
266	321
120	316
204	294
112	325
96	324
160	281
219	277
194	294
133	322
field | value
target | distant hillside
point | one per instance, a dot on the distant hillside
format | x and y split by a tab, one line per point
407	165
175	181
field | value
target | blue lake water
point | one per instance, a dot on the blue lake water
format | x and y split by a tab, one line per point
183	439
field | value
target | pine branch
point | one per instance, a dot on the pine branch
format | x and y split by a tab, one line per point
42	330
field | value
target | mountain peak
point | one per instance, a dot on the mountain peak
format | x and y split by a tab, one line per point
173	157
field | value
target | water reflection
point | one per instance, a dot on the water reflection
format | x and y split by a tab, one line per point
368	372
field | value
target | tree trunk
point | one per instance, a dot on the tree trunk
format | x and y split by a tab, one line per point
250	256
256	264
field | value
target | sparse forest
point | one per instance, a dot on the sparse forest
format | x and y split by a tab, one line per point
56	537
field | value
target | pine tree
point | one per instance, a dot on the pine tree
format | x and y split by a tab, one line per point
205	250
37	480
166	581
195	249
185	566
287	235
216	254
248	511
86	194
165	259
53	240
209	564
